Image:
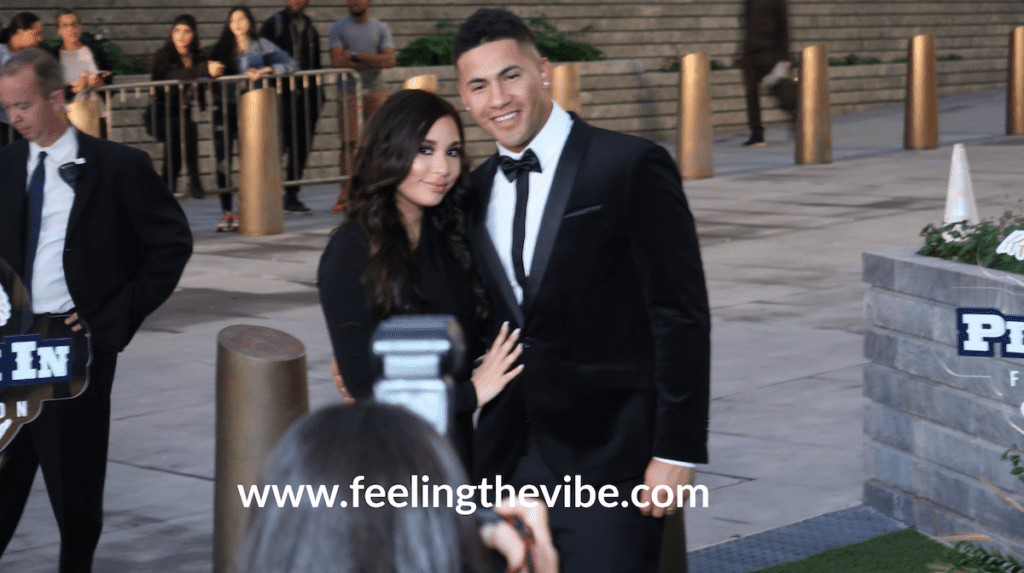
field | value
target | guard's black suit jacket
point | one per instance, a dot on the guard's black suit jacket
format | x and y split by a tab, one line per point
615	319
127	239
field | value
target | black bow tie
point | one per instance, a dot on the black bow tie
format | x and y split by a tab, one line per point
514	167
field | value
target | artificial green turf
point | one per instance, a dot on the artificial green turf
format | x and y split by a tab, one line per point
904	551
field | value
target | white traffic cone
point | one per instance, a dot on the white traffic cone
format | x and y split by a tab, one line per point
960	203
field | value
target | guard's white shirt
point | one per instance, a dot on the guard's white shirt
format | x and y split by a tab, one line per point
49	289
547	145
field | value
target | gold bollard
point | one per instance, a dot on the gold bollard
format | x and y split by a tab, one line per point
696	141
261	390
426	82
85	116
565	87
673	542
1015	84
921	130
260	195
814	113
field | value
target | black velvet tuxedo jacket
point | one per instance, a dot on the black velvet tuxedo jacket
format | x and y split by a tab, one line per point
127	239
615	321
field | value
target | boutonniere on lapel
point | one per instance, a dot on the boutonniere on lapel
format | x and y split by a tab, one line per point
72	170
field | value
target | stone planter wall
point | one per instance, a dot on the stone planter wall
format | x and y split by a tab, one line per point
939	422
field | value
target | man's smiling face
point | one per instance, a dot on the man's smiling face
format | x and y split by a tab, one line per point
504	87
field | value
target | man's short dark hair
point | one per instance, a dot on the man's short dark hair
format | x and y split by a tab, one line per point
49	76
490	25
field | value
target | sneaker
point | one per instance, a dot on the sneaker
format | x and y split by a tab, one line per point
755	141
293	205
226	224
234	222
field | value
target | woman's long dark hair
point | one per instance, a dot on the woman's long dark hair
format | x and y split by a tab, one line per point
224	50
389	144
20	21
385	445
169	50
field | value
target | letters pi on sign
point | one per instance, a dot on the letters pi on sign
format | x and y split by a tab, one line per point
981	329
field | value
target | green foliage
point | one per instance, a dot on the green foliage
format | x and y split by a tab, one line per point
433	50
120	63
900	61
715	66
970	557
436	49
949	58
1013	454
974	245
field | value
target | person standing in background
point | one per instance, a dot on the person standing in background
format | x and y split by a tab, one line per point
83	61
361	43
25	30
765	43
294	33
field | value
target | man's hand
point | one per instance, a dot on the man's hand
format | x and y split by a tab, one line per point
73	322
671	475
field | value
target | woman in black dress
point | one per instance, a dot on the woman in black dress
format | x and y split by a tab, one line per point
402	250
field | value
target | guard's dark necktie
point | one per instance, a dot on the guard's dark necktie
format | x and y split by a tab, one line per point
519	171
34	217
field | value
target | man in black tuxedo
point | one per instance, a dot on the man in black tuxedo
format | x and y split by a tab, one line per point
586	243
97	238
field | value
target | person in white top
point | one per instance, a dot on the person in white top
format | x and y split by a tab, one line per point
83	61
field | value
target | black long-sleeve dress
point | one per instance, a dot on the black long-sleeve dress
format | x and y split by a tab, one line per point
351	322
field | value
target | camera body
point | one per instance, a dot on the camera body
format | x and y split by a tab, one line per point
417	357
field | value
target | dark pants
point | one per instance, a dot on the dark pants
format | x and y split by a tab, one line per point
172	150
69	442
755	67
596	538
222	147
298	131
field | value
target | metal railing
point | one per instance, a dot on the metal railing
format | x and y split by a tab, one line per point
209	108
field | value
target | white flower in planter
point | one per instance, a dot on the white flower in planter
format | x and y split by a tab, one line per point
1013	245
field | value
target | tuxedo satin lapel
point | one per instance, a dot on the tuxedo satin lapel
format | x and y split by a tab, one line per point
561	187
90	174
491	263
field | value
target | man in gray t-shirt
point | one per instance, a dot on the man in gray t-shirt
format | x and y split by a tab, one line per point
359	42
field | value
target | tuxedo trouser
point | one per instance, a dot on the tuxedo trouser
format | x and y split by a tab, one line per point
596	538
69	442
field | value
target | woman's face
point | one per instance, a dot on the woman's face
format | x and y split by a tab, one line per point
27	38
239	23
434	170
69	28
182	35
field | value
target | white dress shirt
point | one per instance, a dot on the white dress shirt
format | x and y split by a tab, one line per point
49	289
547	145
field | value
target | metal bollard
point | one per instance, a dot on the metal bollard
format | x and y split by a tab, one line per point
673	544
565	87
1015	84
921	129
261	390
426	82
814	114
260	195
696	138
